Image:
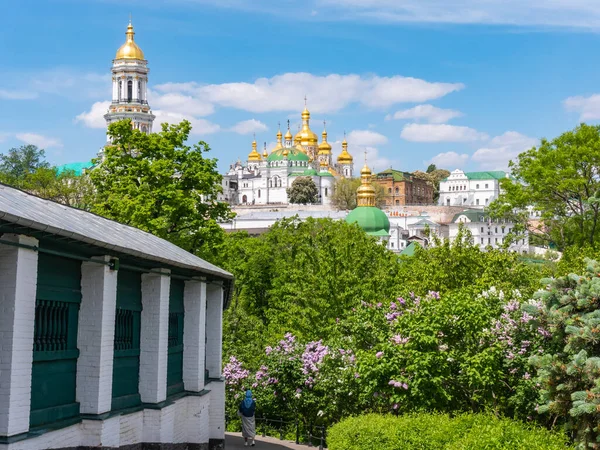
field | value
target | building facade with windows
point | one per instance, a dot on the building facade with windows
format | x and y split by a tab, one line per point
111	337
403	188
472	189
488	232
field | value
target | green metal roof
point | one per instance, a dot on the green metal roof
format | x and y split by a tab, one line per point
293	155
325	174
310	172
395	174
77	167
410	249
490	175
371	219
472	215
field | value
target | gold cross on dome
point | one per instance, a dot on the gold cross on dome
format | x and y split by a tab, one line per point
305	100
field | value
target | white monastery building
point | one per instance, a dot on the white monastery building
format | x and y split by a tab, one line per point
265	177
111	337
487	232
472	189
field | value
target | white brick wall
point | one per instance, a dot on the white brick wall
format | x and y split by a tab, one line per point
217	410
95	338
18	282
194	334
154	337
186	420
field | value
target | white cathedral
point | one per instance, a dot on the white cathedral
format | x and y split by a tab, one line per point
265	178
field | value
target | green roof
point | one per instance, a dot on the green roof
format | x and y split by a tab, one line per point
293	155
395	174
77	167
490	175
310	172
371	219
410	249
472	215
325	174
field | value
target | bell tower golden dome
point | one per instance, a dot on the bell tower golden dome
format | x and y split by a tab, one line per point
130	50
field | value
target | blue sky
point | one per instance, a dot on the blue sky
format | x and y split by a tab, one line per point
462	83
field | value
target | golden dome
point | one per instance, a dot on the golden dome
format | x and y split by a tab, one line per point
365	194
254	155
265	153
130	50
288	135
324	146
345	157
306	136
285	152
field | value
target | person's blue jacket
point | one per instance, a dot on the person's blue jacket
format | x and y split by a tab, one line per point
247	412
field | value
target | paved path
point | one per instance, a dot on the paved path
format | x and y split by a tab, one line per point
235	441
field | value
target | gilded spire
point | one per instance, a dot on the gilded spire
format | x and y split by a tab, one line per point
366	192
254	155
305	135
345	157
324	146
265	153
130	50
279	139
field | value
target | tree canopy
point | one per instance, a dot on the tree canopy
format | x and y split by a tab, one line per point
558	181
20	162
344	193
303	191
161	185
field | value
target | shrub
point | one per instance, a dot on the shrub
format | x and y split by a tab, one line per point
440	432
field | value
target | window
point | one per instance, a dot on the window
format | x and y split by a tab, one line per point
486	185
397	191
129	90
139	93
259	193
476	186
482	239
477	201
486	201
397	202
120	90
325	192
489	240
482	229
496	230
389	190
448	201
496	240
392	244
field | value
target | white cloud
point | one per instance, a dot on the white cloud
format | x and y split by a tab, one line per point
587	107
199	126
365	138
38	140
180	103
328	93
71	83
449	160
11	94
249	127
416	132
94	118
501	149
429	113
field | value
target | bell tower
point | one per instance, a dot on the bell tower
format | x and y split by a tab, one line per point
130	80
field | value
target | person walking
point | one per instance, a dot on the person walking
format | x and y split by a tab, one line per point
246	412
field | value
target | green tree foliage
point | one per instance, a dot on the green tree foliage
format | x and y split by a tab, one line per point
303	191
300	277
431	168
65	187
434	176
161	185
569	375
20	162
344	194
559	180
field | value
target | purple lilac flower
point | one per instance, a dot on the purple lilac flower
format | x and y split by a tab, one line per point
378	354
399	339
233	371
434	294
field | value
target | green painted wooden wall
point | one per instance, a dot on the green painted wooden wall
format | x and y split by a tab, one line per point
175	359
55	353
126	367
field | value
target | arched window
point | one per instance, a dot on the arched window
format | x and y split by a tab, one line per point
129	90
325	192
389	190
397	191
259	193
270	183
120	90
139	96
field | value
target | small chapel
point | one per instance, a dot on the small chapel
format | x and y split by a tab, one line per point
265	177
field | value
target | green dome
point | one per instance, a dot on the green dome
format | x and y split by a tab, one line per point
371	219
310	172
293	155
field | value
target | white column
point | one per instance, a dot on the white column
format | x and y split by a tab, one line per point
135	89
18	286
214	329
154	337
194	335
95	337
115	89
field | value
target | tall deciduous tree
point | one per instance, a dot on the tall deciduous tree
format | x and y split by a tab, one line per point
159	184
560	180
19	162
303	190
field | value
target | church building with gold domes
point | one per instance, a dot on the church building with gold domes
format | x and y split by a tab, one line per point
265	177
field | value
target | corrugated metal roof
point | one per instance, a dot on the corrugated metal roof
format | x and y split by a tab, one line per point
36	213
